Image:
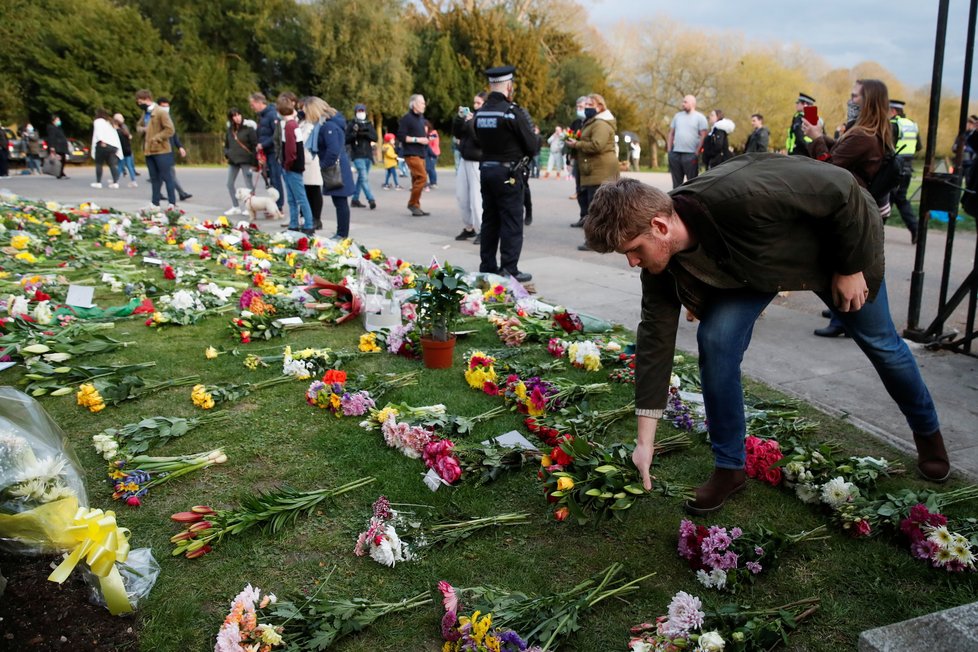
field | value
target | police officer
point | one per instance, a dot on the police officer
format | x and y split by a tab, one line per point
796	142
505	133
906	142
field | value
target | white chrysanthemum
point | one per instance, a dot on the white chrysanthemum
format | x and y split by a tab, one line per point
388	551
46	469
640	646
184	300
295	368
32	490
42	313
106	445
17	305
837	492
941	536
807	493
57	493
715	579
711	642
15	454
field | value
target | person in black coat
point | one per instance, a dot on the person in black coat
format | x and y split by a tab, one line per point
361	136
58	144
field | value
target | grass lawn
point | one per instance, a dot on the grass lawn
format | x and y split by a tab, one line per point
275	438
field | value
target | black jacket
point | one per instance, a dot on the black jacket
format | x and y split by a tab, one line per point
239	148
56	139
267	119
765	222
360	134
412	124
468	146
504	130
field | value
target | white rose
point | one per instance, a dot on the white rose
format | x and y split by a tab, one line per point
711	642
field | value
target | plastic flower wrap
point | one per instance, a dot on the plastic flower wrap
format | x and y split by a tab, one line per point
43	508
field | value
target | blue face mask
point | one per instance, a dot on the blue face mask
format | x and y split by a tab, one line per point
590	112
580	113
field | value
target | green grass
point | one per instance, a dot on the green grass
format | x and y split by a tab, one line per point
274	438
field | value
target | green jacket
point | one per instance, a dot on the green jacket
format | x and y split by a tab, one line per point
596	158
765	222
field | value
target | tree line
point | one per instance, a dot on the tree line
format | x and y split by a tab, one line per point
72	56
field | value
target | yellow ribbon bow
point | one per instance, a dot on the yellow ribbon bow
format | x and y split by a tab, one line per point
101	543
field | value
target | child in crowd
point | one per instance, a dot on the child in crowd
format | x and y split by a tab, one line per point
390	162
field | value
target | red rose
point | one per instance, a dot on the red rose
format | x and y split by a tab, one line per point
245	339
246	245
41	296
561	513
560	457
169	274
302	244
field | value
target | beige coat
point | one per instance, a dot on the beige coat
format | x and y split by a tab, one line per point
158	133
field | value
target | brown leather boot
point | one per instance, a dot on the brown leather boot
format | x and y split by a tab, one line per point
711	496
932	459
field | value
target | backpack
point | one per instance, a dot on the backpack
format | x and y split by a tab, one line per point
887	177
716	148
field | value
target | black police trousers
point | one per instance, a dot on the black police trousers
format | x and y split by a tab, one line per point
502	219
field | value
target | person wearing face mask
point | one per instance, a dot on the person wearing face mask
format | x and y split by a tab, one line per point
361	136
797	142
575	129
867	139
31	144
157	128
58	143
596	157
505	133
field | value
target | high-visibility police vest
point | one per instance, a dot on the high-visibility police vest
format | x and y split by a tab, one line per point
907	135
791	141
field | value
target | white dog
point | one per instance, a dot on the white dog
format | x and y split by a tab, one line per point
255	205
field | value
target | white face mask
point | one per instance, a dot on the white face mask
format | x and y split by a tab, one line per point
580	113
165	108
361	115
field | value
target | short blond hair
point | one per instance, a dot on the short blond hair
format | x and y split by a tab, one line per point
598	99
622	210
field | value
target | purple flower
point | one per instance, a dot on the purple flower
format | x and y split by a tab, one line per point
758	551
736	533
512	641
356	404
753	567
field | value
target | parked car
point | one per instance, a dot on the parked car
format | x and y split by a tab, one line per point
77	152
16	152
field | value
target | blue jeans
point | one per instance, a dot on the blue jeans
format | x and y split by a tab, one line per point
126	164
342	206
363	180
275	178
298	202
391	178
160	168
725	333
429	164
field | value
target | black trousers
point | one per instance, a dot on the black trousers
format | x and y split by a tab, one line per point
315	196
502	220
899	196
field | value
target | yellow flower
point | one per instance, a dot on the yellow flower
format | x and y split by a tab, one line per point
492	644
564	483
368	343
290	258
26	256
54	231
258	253
545	461
386	412
20	241
269	635
201	397
375	254
210	353
592	362
89	397
480	627
223	221
520	390
269	287
334	402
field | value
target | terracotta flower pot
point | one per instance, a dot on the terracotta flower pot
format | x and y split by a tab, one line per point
437	354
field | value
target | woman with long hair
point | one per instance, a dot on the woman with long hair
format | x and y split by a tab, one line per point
106	148
331	146
313	114
868	137
240	151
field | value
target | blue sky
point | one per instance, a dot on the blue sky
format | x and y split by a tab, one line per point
897	33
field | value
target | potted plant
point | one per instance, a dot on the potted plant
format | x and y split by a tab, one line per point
439	310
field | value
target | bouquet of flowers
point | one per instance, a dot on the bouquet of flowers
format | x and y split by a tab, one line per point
809	468
591	481
268	512
863	517
762	455
332	392
133	478
479	370
182	308
207	396
385	545
534	396
577	421
689	626
107	391
544	620
306	363
931	539
138	437
405	413
724	559
241	631
475	634
57	381
73	341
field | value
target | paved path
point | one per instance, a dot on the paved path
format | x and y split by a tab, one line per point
831	374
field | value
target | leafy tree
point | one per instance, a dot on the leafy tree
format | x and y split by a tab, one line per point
71	57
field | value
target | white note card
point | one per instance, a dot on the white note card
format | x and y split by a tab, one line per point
80	296
512	439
